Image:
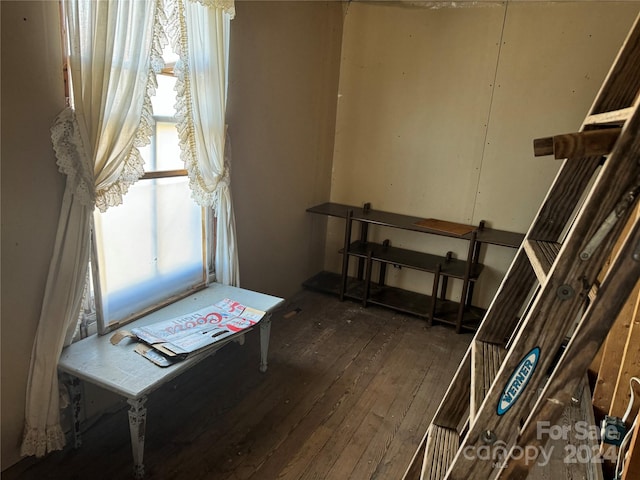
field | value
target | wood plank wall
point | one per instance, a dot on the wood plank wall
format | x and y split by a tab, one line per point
617	362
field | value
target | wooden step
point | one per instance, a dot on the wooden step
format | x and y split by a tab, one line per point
616	117
441	448
541	254
487	359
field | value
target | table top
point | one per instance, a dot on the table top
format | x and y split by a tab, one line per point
121	370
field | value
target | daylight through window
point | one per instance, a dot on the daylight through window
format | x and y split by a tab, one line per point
152	248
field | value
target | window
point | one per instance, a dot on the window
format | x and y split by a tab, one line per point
159	244
111	47
151	249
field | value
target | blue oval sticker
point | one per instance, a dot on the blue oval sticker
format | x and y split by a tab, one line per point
518	381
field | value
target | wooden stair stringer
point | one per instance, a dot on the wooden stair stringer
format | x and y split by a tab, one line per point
583	346
563	294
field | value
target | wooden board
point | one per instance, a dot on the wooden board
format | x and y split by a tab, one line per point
445	226
614	346
630	360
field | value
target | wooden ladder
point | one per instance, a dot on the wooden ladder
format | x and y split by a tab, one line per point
550	313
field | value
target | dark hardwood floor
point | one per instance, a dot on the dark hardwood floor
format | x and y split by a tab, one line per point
348	395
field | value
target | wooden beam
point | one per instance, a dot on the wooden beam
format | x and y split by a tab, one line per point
579	144
612	356
614	346
628	367
630	363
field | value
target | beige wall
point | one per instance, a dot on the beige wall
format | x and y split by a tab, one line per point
438	109
32	95
283	83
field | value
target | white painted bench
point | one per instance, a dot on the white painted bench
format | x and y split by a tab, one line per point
121	370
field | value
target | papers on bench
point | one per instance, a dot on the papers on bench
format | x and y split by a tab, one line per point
171	340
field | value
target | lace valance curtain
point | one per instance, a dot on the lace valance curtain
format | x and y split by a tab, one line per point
115	48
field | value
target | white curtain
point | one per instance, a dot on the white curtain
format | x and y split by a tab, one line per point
96	147
203	46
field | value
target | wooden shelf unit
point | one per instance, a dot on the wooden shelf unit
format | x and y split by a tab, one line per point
433	306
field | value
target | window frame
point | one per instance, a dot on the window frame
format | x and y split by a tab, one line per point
103	325
91	316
